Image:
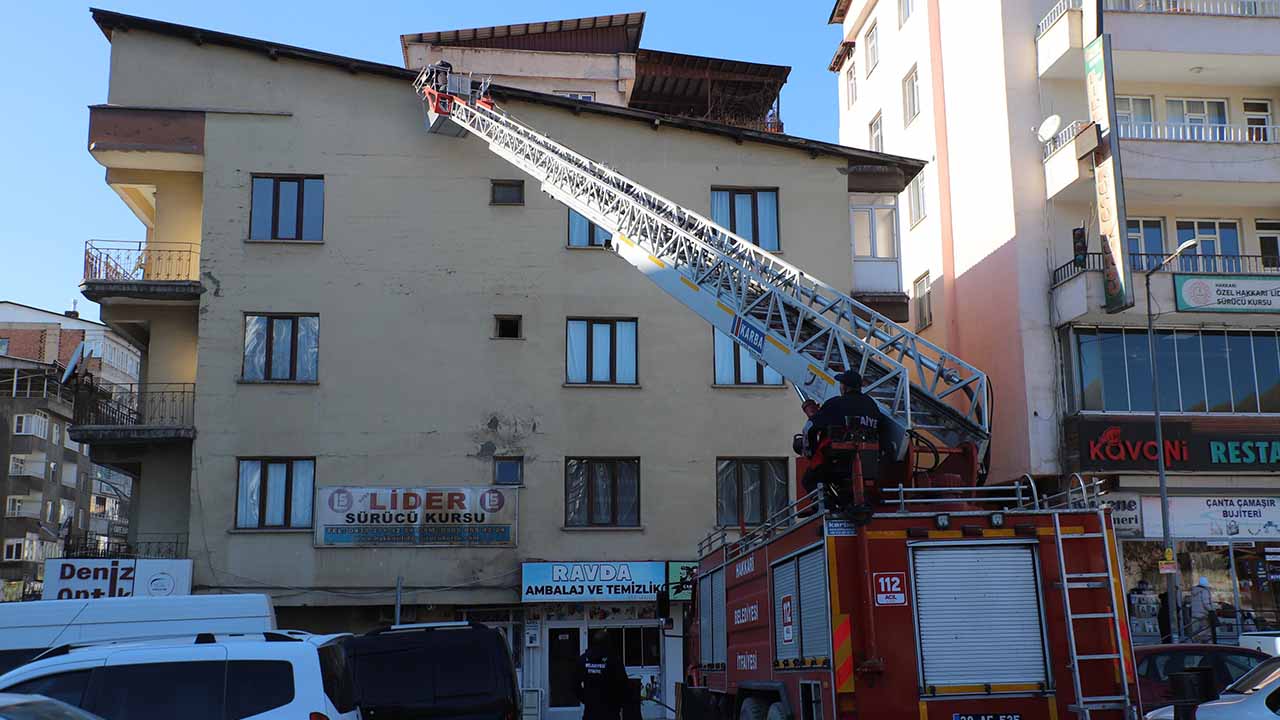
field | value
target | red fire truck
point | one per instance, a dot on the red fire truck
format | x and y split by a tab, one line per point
933	601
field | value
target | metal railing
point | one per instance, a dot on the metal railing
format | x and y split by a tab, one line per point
773	525
1065	136
1231	8
1056	12
126	261
153	404
163	546
28	508
1208	133
33	384
1222	264
20	466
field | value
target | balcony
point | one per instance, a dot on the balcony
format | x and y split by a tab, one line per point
162	546
27	468
142	271
24	506
130	414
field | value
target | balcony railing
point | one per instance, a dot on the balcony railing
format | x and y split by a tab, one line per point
153	404
29	507
1056	12
20	466
125	261
1230	8
1223	264
1064	137
1185	132
161	546
33	384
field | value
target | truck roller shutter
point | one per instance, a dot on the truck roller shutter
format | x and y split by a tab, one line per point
719	638
978	616
785	597
706	620
815	619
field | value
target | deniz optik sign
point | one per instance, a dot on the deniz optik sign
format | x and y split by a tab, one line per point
71	579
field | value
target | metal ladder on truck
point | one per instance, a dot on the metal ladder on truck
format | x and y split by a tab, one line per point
1085	705
801	327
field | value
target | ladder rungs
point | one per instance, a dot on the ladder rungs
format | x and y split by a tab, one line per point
1099	706
1088	616
1103	699
1087	585
1107	656
1080	536
1082	576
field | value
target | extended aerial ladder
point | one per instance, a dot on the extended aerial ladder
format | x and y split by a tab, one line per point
798	325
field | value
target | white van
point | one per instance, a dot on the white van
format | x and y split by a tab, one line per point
29	628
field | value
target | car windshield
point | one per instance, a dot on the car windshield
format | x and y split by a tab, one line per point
1257	678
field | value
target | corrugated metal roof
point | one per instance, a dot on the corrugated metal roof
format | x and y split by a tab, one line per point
600	34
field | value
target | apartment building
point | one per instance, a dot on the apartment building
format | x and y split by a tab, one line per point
993	273
54	338
370	319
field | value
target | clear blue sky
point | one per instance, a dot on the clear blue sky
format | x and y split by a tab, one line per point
52	194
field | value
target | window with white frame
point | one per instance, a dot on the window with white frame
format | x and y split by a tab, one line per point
56	433
873	220
871	44
910	96
1257	116
916	199
1134	118
36	423
13	549
1269	242
1217	247
850	84
876	132
905	8
13	506
922	299
1201	119
1146	242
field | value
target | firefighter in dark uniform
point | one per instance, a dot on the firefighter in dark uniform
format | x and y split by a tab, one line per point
852	409
601	680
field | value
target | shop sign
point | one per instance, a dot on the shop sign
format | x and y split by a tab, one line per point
1111	446
1126	513
1108	178
1215	516
68	579
1226	293
416	516
677	573
590	581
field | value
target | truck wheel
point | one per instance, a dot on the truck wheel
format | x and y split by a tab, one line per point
753	709
776	712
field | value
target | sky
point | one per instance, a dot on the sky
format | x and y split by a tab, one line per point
53	196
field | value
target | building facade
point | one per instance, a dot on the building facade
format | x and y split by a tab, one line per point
997	279
362	319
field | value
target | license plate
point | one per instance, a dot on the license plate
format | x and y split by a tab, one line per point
986	716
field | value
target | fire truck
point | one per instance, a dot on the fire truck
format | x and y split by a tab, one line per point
920	594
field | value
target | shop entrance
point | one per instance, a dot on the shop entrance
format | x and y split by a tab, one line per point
564	645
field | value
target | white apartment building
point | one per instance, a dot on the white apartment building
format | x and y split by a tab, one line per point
341	308
988	254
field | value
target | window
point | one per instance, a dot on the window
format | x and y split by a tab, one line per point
287	207
1269	242
873	220
916	200
56	436
922	301
582	95
749	490
751	214
1217	245
871	42
735	366
850	84
69	474
910	96
1201	371
637	646
905	8
13	548
4	346
68	687
1197	119
13	506
506	192
34	424
1146	242
584	233
507	326
286	499
600	351
1257	116
260	685
875	130
194	690
602	492
1133	115
508	471
282	348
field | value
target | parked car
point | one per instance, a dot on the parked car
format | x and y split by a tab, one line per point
37	707
1157	662
448	671
1254	696
266	676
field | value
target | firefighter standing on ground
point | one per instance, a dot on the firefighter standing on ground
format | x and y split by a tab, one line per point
600	681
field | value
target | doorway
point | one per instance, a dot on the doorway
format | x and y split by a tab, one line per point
564	645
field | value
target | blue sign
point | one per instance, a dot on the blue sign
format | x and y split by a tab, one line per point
581	581
749	334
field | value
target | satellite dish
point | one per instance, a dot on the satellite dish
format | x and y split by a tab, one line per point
1049	128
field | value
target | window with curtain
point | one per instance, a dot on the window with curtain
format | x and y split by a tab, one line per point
1201	371
600	351
281	348
602	492
275	492
584	233
287	207
749	490
1217	247
1197	118
751	214
735	366
1134	118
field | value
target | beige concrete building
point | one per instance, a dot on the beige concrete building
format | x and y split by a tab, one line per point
988	242
336	302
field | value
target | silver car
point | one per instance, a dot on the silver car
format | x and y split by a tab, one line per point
1255	695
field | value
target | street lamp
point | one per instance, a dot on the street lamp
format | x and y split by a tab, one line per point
1171	585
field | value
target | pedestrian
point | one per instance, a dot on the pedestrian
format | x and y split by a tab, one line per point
1166	629
1202	615
601	680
